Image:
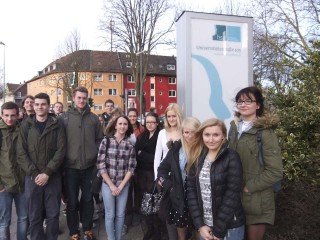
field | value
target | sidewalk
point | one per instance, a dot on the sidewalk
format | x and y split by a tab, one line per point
135	232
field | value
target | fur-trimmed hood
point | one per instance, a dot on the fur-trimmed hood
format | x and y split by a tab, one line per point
266	121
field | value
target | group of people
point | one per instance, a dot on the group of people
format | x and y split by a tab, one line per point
213	184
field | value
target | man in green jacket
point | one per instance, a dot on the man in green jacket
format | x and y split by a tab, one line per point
84	134
41	150
11	176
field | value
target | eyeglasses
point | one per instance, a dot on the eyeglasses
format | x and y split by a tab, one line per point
246	102
151	122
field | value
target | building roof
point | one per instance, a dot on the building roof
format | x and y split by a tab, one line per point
103	61
12	87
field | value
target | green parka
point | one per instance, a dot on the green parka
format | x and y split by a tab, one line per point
259	203
84	134
11	175
41	153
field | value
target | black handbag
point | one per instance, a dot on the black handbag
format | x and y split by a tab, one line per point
96	179
151	201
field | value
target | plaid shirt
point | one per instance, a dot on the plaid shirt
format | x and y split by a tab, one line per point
120	159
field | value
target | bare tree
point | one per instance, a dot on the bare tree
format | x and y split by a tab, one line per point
137	27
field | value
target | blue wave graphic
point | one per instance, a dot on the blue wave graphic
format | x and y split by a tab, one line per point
216	102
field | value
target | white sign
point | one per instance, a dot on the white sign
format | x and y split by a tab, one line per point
214	61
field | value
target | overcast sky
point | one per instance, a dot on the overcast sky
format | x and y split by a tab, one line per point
32	30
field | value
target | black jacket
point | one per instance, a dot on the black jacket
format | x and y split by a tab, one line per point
226	187
147	146
169	170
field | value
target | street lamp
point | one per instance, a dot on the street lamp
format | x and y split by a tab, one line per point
111	30
4	72
141	82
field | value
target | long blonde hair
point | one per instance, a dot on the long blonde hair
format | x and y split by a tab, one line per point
176	109
193	124
198	145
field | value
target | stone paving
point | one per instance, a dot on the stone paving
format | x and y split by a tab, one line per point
135	232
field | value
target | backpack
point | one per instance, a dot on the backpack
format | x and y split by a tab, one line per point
277	185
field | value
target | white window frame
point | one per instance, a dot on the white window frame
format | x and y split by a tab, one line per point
98	92
154	98
98	107
171	67
130	79
129	64
154	86
112	91
131	92
172	93
112	77
97	77
172	80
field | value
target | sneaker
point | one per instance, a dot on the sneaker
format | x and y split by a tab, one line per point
88	235
75	237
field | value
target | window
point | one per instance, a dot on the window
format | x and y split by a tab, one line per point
128	64
150	65
112	77
152	86
172	80
160	93
172	93
97	92
131	92
97	77
171	67
59	92
112	91
152	98
130	78
98	107
18	94
160	80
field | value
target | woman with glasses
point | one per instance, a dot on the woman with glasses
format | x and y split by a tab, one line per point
214	184
172	177
258	194
145	149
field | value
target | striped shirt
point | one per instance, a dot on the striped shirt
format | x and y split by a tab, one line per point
120	159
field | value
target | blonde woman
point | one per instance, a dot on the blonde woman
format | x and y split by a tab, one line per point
214	184
168	135
172	174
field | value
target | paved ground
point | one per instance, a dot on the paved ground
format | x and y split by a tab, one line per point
134	233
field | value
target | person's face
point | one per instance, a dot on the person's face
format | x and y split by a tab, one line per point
28	104
188	135
151	123
41	107
9	116
132	117
58	108
109	108
122	126
212	137
80	100
247	107
172	118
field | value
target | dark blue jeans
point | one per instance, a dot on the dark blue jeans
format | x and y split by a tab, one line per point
44	199
6	200
76	179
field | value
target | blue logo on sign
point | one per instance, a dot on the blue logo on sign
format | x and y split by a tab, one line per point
216	102
227	33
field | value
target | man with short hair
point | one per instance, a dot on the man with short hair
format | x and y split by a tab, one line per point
84	134
11	175
58	108
41	150
109	106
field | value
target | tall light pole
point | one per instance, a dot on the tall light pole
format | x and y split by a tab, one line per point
4	72
111	30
